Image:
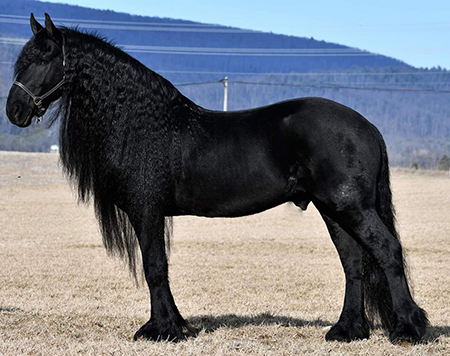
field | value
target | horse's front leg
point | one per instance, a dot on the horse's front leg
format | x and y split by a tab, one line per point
166	323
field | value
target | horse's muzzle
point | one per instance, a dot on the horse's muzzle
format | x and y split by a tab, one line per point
19	116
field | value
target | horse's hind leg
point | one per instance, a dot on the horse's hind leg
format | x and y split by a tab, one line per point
166	323
408	322
352	324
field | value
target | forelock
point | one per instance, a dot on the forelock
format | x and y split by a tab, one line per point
32	52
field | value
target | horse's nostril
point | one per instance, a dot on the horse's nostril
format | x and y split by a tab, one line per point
17	110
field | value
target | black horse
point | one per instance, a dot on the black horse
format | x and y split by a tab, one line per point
144	152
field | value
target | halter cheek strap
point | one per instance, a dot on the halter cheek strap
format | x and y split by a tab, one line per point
38	99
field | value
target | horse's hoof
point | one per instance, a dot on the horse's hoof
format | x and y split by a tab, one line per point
405	334
163	331
411	330
346	331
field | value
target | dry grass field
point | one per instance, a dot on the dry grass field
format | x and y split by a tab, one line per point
268	284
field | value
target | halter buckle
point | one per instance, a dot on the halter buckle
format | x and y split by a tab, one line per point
37	101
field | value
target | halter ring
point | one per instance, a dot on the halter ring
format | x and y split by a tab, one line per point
37	101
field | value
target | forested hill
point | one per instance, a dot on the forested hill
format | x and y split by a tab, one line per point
409	105
163	35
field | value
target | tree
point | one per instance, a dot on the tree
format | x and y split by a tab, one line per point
444	164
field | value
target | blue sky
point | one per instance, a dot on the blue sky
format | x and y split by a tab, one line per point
417	32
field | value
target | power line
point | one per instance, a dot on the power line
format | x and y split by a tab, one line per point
296	74
313	74
330	86
196	83
115	22
190	23
247	49
141	28
207	51
13	40
323	86
303	85
254	54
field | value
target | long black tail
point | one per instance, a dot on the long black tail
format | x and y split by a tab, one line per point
377	295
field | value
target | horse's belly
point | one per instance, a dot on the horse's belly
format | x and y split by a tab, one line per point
234	191
214	205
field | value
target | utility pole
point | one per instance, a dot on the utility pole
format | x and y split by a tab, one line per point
225	93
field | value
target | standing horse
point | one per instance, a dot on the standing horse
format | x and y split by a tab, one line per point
142	151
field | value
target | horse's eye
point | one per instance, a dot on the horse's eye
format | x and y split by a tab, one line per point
44	60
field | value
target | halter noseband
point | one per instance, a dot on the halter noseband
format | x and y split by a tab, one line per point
38	99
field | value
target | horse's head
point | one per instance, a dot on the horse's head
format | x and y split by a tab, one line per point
39	74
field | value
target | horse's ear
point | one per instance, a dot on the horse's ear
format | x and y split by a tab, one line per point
52	30
35	26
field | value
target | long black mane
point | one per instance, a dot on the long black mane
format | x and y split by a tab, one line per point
106	85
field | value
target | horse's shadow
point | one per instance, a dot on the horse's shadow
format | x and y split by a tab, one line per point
210	323
434	332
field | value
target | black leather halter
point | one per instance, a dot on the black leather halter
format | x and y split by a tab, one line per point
38	99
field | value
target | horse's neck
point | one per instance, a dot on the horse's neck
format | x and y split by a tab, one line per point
112	84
